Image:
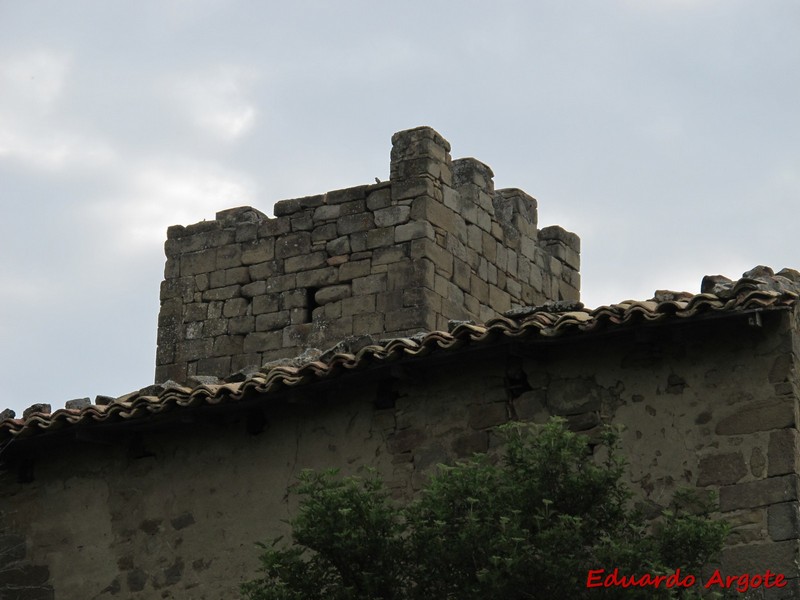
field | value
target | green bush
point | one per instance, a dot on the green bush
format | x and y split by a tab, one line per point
530	525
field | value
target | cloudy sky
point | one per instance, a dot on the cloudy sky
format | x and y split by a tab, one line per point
666	133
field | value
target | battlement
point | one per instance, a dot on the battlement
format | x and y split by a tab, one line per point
435	243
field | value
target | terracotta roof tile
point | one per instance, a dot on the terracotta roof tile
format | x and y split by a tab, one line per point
757	289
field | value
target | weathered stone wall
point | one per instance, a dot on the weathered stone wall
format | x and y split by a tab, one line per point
436	242
174	512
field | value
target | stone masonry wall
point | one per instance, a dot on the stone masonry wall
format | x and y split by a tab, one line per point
435	243
175	512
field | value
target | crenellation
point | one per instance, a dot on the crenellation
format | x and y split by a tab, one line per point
435	243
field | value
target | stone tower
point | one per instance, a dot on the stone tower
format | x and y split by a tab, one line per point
435	243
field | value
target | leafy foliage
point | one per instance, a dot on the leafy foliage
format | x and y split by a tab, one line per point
529	526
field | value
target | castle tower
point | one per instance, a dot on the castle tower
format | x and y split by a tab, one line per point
435	243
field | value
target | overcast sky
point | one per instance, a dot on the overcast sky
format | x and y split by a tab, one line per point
666	133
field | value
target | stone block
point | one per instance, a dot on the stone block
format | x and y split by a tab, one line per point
434	212
181	288
441	258
194	349
256	288
194	330
306	262
235	307
491	274
201	282
76	404
421	297
216	279
555	233
335	261
346	195
302	221
392	215
783	452
172	268
197	311
202	261
783	521
266	303
353	269
355	223
294	299
338	246
241	325
331	310
223	293
405	318
414	230
352	208
380	198
175	372
273	321
356	305
388	301
284	208
324	233
368	324
274	227
299	315
371	284
237	275
380	238
752	494
327	212
514	289
226	345
281	283
472	306
246	232
318	277
393	254
229	256
412	188
261	341
760	415
499	300
462	274
214	327
358	243
332	294
721	469
258	251
265	270
293	244
170	311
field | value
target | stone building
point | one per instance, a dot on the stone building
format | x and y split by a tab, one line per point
392	325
